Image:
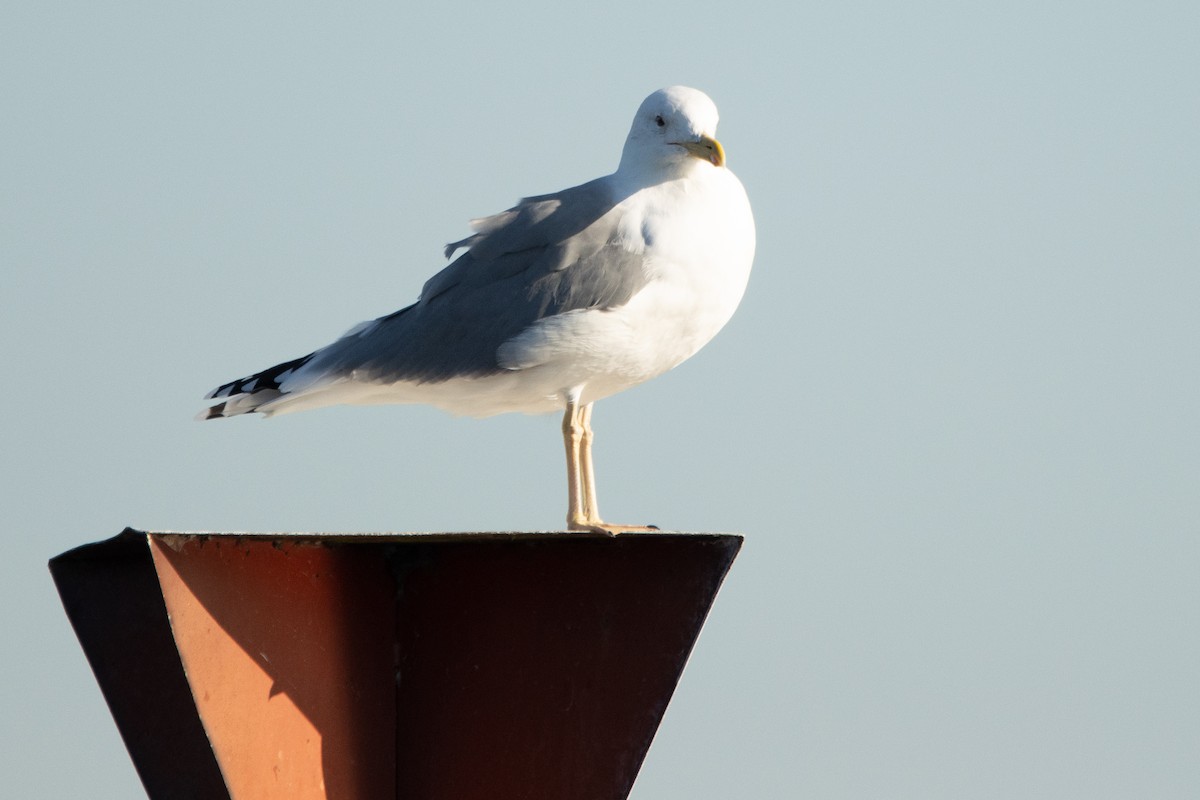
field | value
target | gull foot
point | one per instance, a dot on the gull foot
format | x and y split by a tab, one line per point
609	529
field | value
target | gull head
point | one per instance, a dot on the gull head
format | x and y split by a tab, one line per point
674	130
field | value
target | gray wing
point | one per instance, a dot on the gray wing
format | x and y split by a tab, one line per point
545	256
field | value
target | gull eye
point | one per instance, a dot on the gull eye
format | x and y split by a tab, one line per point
659	121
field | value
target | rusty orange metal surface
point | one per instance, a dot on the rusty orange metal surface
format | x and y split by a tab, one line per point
288	649
425	667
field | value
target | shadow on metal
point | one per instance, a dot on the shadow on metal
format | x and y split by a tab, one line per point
416	666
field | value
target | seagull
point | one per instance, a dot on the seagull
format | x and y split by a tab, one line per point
558	302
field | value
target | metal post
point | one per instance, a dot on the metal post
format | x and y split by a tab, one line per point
416	666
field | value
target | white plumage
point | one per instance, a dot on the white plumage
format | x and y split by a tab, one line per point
558	302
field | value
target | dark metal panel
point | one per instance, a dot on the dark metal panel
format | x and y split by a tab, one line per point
111	595
540	668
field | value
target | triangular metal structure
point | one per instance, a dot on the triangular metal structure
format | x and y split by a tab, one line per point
464	666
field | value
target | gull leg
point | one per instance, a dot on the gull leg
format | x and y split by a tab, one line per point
572	431
591	505
583	512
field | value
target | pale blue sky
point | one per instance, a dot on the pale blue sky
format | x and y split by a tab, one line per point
955	417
